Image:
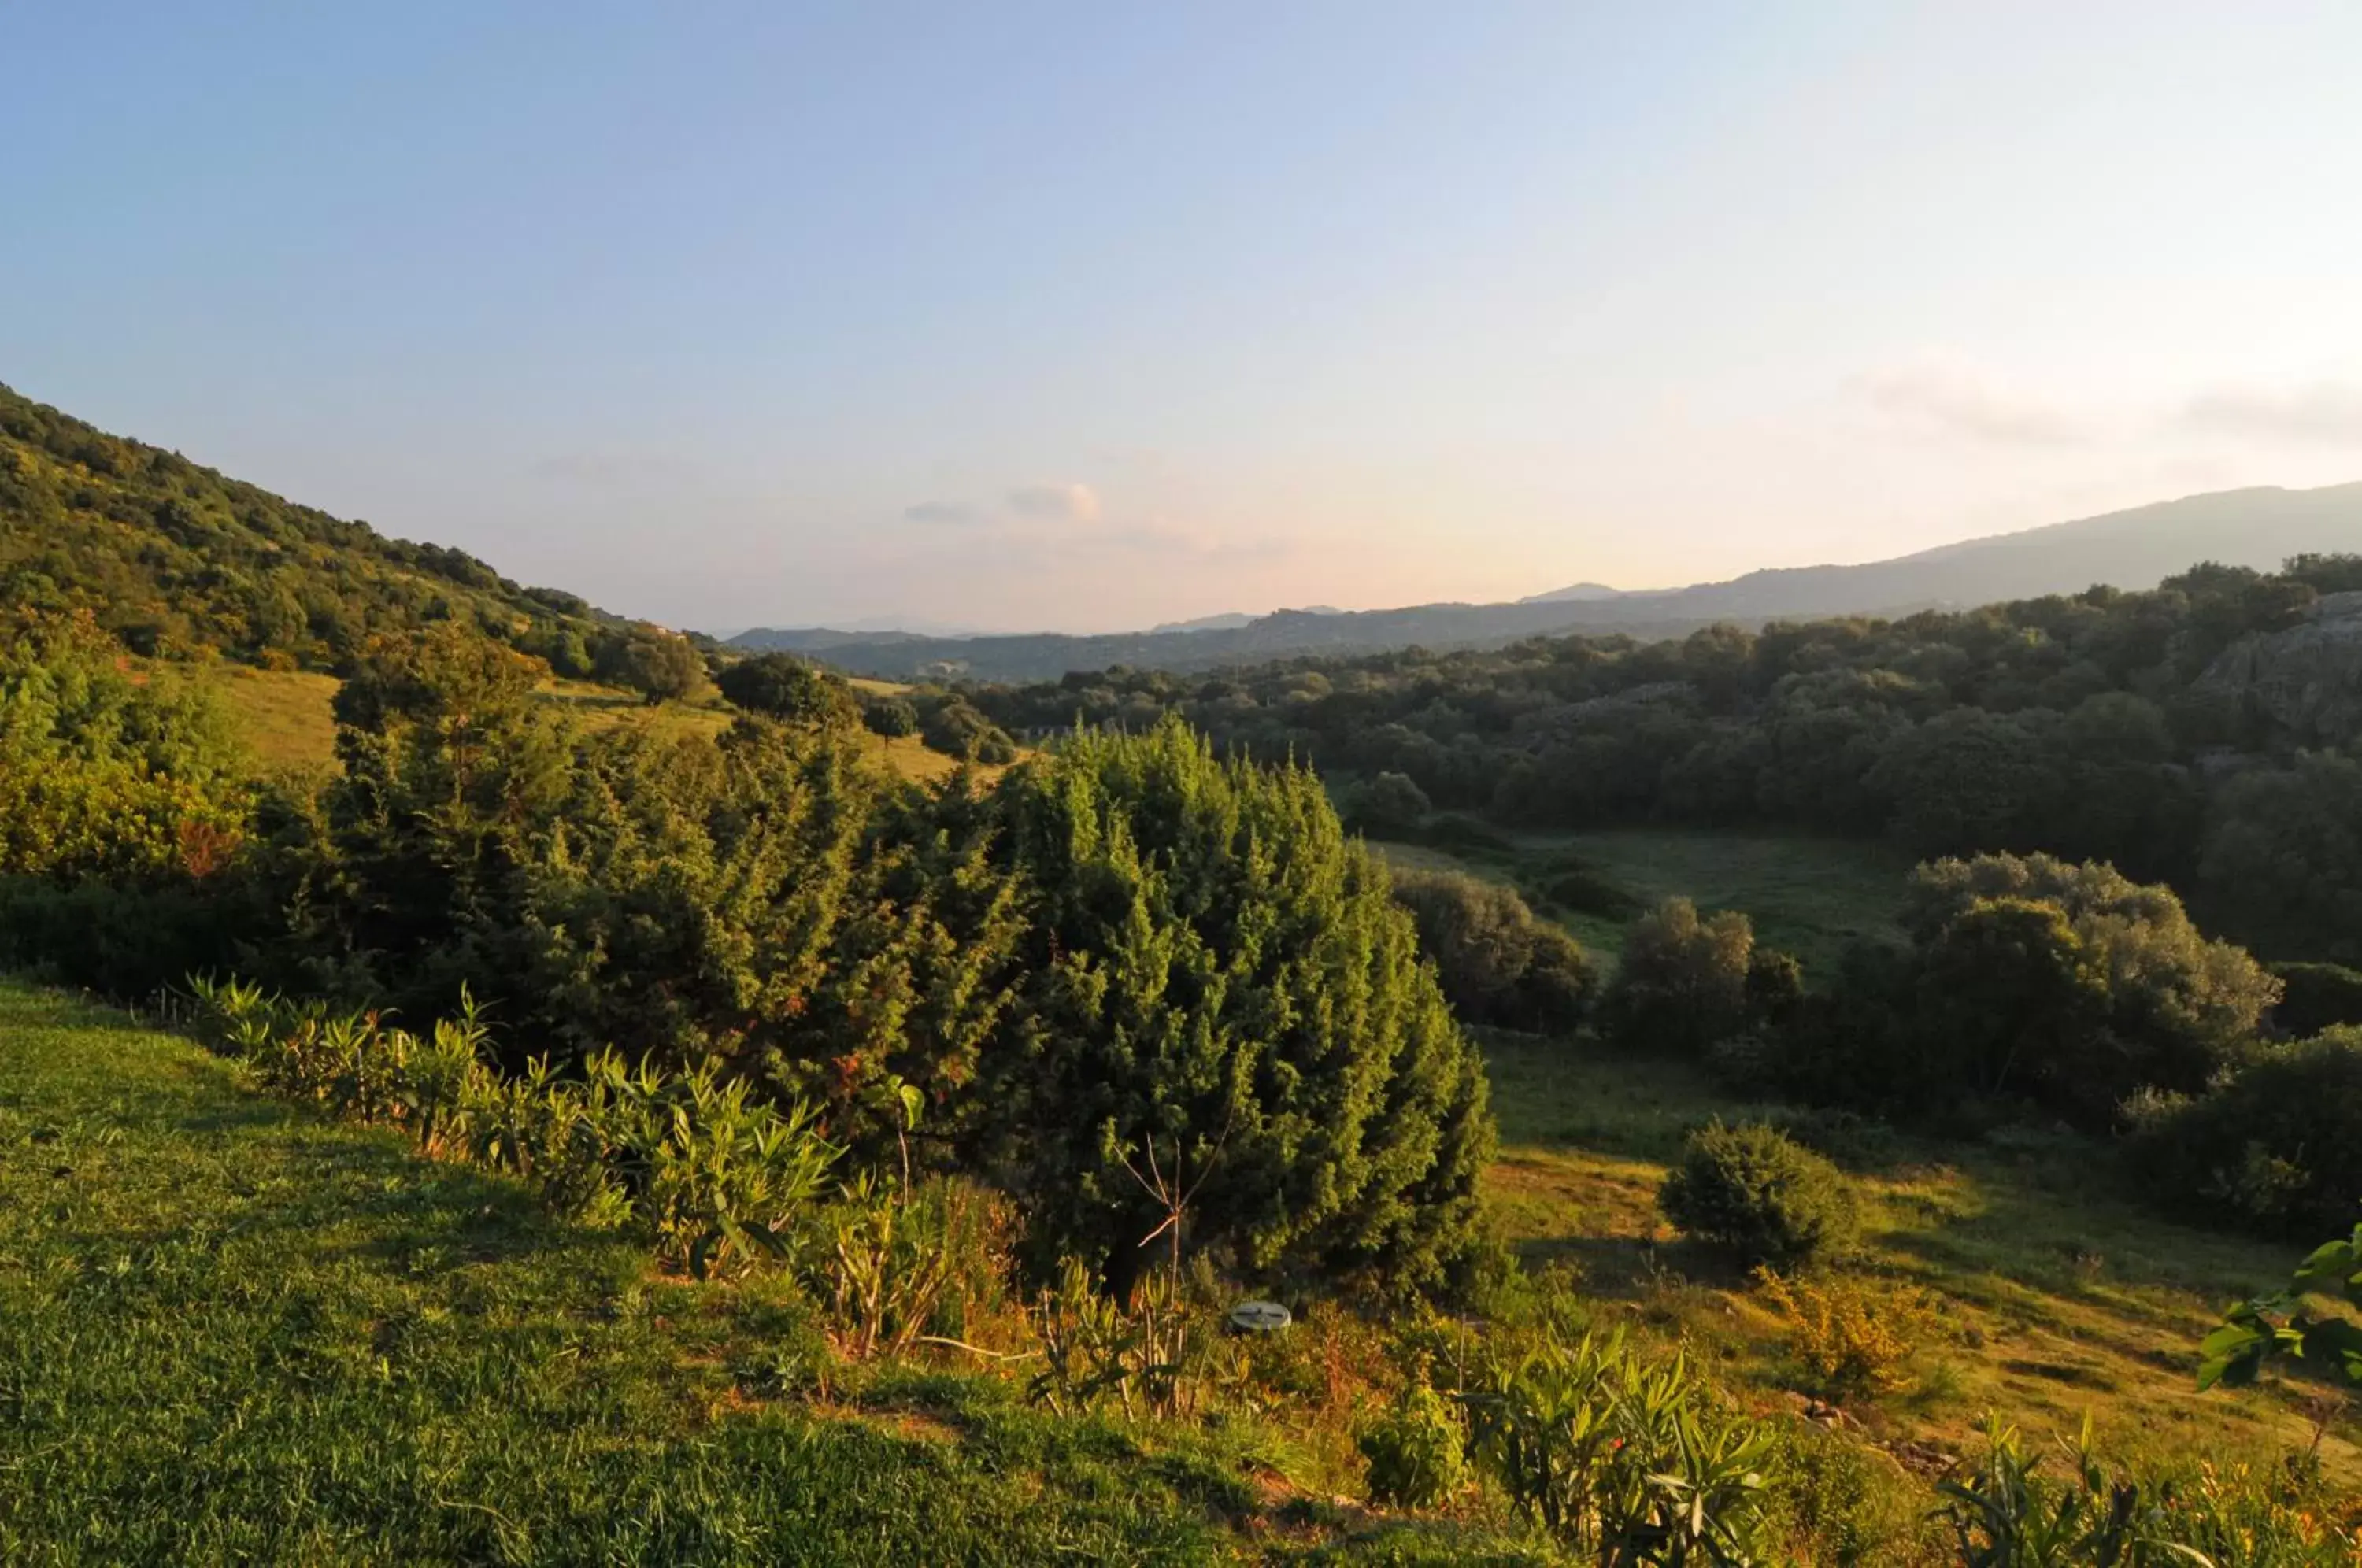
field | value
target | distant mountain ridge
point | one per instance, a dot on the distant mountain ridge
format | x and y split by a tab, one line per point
2256	527
1577	593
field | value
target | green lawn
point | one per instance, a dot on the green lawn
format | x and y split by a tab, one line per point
231	1331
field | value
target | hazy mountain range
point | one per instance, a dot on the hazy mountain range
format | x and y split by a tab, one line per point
2260	528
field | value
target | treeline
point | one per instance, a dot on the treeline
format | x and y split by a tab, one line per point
2202	734
176	559
1129	954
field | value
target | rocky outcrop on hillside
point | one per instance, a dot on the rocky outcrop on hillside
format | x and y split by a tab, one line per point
2307	680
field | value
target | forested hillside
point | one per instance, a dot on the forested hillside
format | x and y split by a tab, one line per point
173	558
2202	732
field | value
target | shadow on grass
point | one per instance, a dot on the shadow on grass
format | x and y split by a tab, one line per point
289	1172
1633	1268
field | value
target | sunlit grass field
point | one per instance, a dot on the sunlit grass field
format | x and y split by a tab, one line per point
286	720
2056	1294
232	1330
1807	896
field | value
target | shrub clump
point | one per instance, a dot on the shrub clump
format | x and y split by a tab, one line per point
2278	1148
2029	982
1415	1452
1760	1194
1853	1338
1391	805
1498	962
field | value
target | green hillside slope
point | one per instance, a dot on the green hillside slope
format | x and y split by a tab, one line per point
173	556
231	1331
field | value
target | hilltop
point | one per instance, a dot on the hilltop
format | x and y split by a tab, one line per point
175	558
2135	549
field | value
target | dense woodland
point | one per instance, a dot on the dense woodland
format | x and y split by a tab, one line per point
2132	728
943	1057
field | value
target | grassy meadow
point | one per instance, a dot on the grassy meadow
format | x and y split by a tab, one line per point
2057	1293
1807	896
285	718
2053	1295
233	1331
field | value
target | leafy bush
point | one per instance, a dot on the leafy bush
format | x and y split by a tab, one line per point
1760	1194
1681	985
2029	980
1852	1337
1415	1453
103	775
2276	1149
1498	963
661	666
887	716
953	726
1622	1459
1388	806
784	688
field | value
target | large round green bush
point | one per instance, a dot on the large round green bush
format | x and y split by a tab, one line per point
1498	962
1760	1194
2278	1149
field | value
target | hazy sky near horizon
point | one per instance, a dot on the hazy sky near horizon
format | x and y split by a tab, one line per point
1092	316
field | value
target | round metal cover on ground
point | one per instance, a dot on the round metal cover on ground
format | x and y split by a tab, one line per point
1260	1316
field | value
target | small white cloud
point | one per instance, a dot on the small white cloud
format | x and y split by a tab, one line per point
612	470
2326	411
1966	404
940	512
1055	503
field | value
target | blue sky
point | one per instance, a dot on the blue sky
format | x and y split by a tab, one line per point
1094	315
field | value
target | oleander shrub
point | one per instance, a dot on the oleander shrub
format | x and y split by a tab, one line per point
1623	1458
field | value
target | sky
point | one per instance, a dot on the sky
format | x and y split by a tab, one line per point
1088	316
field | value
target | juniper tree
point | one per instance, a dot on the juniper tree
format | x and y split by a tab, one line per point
1214	966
